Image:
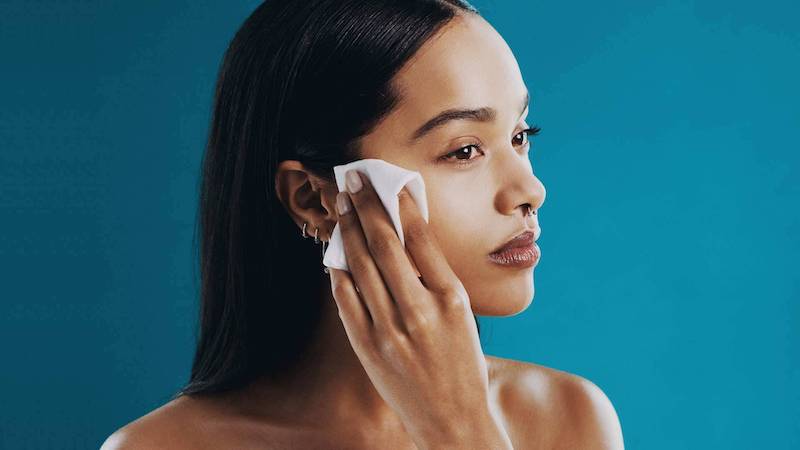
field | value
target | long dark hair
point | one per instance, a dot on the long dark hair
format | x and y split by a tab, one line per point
260	280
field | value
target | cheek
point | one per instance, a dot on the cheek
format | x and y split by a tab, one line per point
461	221
459	224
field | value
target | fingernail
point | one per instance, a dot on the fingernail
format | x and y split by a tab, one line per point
353	181
343	203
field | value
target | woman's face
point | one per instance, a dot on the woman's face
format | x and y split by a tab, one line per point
476	196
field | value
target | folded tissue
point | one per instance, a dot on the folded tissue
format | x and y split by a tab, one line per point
388	180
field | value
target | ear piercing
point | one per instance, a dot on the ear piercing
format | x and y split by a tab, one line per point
316	241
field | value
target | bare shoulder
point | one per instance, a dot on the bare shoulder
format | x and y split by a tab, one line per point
549	408
168	426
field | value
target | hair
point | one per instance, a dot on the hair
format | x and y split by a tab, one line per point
261	282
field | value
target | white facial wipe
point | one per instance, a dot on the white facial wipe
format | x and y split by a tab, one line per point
388	180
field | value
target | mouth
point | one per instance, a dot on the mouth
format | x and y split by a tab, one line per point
525	239
519	252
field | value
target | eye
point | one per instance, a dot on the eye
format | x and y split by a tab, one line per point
526	133
461	152
462	155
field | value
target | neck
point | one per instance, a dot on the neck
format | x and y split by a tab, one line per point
329	386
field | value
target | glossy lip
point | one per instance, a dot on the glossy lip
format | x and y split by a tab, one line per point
524	239
520	257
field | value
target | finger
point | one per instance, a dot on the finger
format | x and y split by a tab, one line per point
384	244
352	311
374	292
437	275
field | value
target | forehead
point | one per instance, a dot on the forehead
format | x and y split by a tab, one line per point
466	64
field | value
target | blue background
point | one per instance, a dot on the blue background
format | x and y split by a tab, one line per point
669	152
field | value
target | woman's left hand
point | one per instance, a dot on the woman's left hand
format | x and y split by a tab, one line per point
415	337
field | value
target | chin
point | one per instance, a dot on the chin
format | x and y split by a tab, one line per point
509	299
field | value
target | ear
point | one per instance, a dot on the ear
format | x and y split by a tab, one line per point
306	197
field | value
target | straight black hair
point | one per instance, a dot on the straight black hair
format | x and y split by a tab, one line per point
260	281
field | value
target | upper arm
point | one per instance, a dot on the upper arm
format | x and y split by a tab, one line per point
548	408
124	439
593	421
154	430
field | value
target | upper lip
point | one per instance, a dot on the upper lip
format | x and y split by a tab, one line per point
524	239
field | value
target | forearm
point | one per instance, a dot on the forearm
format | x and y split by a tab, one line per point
480	432
486	435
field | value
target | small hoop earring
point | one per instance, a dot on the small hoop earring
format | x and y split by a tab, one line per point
317	241
324	268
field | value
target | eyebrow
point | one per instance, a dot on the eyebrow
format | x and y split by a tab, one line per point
484	114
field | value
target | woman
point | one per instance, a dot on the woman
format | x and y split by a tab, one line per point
282	361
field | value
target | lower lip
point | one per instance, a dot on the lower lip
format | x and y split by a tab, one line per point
517	257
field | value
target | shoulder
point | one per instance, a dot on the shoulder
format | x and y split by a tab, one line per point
165	427
545	407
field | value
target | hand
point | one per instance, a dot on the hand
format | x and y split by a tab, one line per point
415	337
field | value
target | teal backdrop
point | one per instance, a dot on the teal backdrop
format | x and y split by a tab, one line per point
669	152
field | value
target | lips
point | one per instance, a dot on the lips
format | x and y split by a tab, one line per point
524	239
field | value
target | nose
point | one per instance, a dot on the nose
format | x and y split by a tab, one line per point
520	189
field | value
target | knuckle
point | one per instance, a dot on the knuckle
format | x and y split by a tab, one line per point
417	322
452	304
380	246
391	343
416	232
454	300
359	264
340	291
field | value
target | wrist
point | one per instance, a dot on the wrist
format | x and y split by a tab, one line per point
489	433
480	431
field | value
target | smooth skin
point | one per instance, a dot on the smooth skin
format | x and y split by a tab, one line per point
330	401
414	336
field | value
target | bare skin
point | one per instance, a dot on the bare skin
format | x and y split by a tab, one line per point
329	402
542	408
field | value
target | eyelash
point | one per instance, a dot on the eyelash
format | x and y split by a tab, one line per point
532	131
